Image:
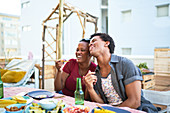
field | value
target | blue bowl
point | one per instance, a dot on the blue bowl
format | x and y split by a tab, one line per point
15	105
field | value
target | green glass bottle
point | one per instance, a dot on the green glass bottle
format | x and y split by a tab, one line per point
79	94
1	88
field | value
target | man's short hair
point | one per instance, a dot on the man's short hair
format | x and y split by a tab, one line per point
105	37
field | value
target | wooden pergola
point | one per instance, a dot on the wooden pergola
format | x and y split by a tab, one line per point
60	14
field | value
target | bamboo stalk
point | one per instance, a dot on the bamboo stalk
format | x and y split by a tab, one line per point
60	28
51	14
81	24
51	34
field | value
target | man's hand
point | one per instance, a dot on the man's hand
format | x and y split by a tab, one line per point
90	79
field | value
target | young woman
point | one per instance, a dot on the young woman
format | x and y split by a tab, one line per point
65	79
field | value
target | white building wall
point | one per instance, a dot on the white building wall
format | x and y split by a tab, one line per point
9	35
144	32
33	15
72	27
39	10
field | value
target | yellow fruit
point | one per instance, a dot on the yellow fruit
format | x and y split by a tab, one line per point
103	111
4	103
19	99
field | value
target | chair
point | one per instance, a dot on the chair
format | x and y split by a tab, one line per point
158	97
23	65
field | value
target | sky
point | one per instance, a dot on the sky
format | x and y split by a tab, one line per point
10	7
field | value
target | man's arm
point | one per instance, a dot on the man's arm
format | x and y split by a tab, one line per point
89	80
133	92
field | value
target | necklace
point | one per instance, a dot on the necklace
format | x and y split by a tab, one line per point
83	72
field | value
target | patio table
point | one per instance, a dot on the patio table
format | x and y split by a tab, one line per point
11	91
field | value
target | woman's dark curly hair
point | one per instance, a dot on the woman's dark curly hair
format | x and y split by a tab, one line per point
85	40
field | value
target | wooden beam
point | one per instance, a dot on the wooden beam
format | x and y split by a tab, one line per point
57	26
60	28
84	25
67	17
50	34
51	14
96	29
53	18
50	46
48	54
81	24
43	54
51	27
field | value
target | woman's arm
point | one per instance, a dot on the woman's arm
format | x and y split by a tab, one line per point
60	77
133	92
59	81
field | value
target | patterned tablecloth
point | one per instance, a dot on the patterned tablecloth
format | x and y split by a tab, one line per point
11	91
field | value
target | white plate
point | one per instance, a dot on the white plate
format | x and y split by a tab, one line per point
2	110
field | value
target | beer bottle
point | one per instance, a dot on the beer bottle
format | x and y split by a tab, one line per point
78	94
1	88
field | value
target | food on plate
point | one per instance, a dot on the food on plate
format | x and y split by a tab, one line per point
76	109
4	103
36	111
60	105
41	96
37	108
36	104
14	108
102	111
19	99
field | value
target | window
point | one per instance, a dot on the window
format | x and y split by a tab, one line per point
14	42
10	34
105	2
7	42
104	15
126	51
2	41
126	16
26	28
104	20
13	26
7	25
163	11
25	4
6	18
11	49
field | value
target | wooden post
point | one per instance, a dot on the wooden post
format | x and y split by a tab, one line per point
84	26
57	32
96	29
43	52
60	28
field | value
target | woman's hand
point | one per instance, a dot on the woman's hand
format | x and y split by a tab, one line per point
58	64
90	79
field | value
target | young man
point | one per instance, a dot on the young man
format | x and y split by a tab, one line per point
116	81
